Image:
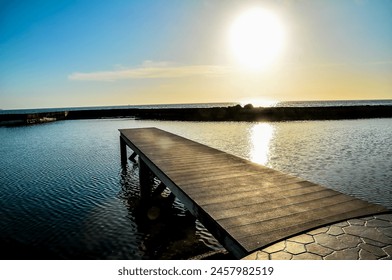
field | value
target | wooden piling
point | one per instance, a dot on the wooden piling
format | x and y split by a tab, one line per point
123	151
146	180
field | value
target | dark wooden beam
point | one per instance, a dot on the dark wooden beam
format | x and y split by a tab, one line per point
123	151
146	181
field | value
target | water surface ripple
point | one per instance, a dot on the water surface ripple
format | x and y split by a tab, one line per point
64	194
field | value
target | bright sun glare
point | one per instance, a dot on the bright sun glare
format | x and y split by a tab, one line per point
257	38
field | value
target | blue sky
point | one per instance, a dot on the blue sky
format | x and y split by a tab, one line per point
89	53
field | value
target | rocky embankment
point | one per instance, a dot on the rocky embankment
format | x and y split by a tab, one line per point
234	113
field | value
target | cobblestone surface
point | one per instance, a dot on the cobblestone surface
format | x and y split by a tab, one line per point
368	238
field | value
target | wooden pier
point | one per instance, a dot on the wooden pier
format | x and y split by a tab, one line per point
245	206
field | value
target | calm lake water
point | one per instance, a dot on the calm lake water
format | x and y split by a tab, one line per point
64	195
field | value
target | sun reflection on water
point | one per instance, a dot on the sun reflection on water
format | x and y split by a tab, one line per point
261	136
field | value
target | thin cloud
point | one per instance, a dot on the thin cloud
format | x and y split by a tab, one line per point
152	70
381	62
337	64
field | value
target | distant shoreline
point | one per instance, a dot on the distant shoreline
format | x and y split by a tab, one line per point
231	113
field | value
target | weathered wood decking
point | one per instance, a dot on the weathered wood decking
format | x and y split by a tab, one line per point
244	205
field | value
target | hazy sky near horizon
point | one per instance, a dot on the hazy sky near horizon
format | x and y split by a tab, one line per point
89	53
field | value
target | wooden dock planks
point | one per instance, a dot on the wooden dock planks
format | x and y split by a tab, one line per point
244	205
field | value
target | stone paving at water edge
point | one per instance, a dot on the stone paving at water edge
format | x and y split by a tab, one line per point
368	238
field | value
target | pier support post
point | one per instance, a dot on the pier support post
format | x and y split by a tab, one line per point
123	150
146	180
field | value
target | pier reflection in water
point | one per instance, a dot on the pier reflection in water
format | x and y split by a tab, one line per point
165	227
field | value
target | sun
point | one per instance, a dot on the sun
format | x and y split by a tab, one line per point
256	38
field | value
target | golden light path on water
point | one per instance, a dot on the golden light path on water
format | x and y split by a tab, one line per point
261	136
